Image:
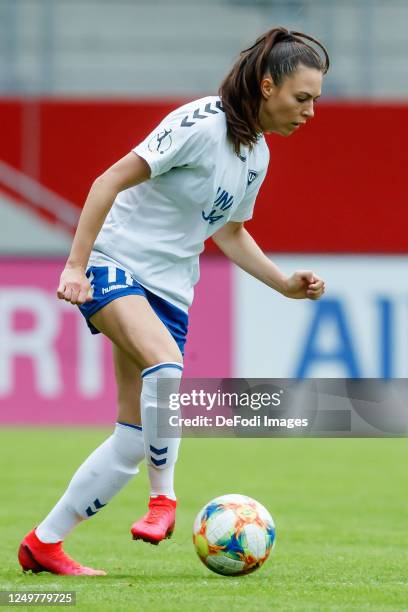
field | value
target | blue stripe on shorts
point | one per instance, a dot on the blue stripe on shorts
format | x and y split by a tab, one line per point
109	283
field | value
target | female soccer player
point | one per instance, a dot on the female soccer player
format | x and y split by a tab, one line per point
134	263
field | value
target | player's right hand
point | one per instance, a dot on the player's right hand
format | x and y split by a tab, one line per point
74	287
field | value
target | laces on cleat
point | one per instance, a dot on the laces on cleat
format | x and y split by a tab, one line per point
154	515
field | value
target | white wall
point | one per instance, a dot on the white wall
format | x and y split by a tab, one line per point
23	232
185	47
360	327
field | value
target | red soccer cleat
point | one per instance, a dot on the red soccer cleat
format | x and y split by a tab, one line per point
158	523
37	556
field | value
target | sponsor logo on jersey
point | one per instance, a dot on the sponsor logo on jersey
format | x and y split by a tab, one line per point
223	201
252	174
161	142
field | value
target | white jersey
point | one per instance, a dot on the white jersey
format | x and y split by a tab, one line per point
156	230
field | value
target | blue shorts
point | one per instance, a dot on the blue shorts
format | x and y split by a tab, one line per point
109	283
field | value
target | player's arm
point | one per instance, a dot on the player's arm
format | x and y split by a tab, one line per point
239	246
127	172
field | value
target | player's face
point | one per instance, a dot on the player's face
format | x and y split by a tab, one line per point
286	107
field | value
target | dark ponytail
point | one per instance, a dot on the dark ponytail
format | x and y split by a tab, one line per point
278	52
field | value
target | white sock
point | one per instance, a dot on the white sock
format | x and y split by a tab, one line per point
103	474
161	452
161	481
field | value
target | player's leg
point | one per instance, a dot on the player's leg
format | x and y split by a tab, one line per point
145	341
107	470
115	462
103	474
129	386
96	481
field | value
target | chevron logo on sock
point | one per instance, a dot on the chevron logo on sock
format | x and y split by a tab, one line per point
158	462
96	506
158	451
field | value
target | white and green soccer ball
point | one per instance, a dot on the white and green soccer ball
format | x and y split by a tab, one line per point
233	535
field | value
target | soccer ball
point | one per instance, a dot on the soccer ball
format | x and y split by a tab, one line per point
233	535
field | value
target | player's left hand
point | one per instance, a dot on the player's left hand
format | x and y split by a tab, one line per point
304	284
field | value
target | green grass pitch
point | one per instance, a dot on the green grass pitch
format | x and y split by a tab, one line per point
340	508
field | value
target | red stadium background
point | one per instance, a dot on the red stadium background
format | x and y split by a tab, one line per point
336	186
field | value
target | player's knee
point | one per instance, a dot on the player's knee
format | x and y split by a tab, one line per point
163	368
155	356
